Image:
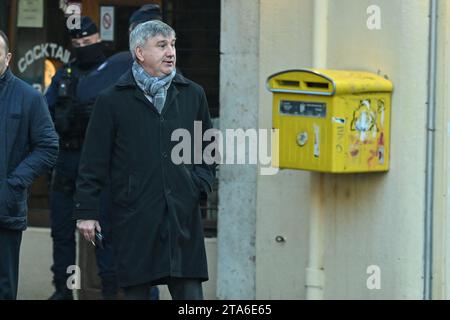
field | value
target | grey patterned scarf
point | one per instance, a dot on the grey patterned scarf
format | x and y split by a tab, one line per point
152	86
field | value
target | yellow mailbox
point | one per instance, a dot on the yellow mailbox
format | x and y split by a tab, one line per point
332	120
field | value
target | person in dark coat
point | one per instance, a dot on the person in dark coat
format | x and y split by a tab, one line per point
28	148
148	12
156	221
123	61
71	97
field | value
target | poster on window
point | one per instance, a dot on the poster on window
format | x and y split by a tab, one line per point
30	14
107	23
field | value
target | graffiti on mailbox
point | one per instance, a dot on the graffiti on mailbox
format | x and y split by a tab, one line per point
368	124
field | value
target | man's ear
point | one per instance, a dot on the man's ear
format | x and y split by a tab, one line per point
8	58
139	54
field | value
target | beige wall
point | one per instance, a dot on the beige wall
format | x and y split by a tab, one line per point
239	88
282	200
378	219
371	219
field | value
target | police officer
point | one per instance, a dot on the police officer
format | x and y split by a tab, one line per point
145	13
71	97
123	60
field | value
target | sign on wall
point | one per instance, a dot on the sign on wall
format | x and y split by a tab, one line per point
107	23
30	14
40	51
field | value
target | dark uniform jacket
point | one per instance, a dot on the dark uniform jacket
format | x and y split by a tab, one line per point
28	147
90	82
156	221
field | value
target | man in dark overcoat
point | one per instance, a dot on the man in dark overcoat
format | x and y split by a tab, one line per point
132	138
28	148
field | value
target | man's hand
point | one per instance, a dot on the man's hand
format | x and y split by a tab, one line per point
87	229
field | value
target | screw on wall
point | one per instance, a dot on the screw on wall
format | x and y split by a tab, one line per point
280	239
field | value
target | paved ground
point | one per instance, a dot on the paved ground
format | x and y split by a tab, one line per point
36	258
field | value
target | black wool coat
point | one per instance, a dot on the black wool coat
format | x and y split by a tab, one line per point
156	223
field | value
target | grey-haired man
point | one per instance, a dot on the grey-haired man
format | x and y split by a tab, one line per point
157	227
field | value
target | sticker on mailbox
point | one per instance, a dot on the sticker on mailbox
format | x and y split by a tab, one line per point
302	108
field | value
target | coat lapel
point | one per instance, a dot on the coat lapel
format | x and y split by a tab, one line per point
138	94
172	93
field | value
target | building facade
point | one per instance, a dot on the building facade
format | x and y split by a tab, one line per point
297	234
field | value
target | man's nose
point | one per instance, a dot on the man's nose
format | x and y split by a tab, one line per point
171	51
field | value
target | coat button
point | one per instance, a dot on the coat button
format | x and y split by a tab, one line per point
168	192
77	205
164	154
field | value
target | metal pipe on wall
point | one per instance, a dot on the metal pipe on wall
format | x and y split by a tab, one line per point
430	154
315	275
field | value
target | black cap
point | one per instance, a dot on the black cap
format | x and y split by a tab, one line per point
146	13
88	28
